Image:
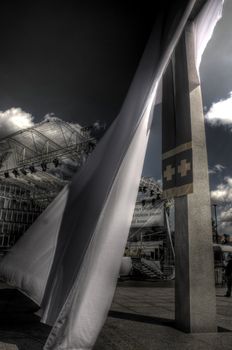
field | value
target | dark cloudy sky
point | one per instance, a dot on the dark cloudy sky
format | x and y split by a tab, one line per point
77	59
74	59
216	79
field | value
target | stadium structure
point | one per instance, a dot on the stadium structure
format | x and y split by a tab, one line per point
37	162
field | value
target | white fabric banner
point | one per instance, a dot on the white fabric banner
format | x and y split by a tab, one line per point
28	263
204	26
88	303
90	296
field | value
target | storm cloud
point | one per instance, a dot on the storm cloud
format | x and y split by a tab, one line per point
14	119
220	113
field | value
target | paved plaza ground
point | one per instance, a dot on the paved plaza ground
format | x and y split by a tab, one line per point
141	318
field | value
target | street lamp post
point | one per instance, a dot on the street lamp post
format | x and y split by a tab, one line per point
216	225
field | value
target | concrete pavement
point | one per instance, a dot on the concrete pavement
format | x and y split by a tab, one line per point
141	318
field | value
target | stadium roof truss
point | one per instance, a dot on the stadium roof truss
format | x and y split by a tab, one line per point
30	157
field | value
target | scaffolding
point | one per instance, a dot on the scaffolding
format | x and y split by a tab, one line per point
35	164
17	212
156	234
43	143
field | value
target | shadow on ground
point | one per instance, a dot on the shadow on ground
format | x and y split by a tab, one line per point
142	318
18	323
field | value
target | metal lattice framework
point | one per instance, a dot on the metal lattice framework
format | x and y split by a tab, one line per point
35	164
148	183
44	141
35	158
150	189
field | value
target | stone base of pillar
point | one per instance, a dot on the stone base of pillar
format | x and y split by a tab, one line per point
195	300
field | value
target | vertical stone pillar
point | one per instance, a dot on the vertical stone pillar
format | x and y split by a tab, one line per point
195	298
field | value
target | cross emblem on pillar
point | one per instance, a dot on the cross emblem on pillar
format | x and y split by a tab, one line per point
184	167
169	172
